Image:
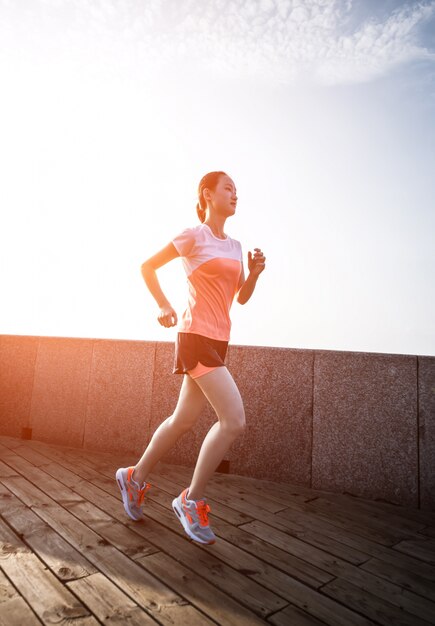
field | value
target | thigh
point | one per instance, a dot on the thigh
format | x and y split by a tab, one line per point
191	401
222	392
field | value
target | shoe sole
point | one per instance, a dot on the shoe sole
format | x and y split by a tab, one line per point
124	494
185	525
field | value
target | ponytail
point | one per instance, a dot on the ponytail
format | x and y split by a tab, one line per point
200	212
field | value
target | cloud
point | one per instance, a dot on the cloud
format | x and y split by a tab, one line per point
277	40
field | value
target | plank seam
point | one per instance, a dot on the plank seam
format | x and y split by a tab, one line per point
11	582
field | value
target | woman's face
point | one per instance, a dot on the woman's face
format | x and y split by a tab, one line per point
224	197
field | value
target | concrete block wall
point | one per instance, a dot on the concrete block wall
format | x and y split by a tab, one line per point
355	422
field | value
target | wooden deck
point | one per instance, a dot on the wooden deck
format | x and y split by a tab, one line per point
285	555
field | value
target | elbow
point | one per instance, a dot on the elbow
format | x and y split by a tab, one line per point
145	268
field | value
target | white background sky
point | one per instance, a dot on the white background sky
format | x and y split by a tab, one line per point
322	112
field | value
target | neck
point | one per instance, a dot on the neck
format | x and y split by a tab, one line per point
216	224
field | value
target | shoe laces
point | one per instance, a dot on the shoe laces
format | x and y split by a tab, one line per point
203	509
138	491
141	493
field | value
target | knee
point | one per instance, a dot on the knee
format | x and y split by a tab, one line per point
181	426
235	425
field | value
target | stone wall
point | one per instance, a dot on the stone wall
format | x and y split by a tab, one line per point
363	423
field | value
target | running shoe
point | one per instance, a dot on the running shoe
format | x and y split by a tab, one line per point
132	493
193	515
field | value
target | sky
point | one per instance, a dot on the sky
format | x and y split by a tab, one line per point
322	112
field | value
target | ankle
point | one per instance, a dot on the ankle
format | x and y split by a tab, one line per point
137	477
193	495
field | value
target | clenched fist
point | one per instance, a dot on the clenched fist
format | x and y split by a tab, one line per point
256	262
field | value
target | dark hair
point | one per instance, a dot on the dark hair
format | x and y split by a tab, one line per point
208	181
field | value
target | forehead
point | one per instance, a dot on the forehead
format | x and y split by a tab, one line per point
226	180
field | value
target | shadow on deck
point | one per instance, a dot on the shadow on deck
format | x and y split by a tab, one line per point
285	554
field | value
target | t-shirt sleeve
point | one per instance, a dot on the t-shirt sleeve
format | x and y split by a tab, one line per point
184	242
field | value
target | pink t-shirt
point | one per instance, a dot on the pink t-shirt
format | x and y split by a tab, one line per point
213	267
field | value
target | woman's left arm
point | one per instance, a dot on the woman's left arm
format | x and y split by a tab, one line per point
256	264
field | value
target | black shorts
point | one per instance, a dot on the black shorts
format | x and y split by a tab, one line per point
191	349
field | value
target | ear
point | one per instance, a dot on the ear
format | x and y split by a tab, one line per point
206	193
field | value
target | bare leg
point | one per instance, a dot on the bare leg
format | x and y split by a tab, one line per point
190	404
221	391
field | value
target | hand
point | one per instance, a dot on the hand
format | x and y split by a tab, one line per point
256	262
167	317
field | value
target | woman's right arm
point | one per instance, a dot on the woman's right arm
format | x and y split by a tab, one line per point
167	316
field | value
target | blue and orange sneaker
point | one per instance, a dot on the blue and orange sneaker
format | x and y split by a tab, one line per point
193	515
132	493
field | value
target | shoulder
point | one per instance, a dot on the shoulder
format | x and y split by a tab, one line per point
185	241
235	243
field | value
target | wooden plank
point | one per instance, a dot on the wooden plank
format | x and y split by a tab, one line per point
214	603
31	455
63	560
14	610
115	533
49	599
376	609
48	484
261	597
293	615
423	548
402	577
385	508
143	588
271	494
347	540
108	603
229	514
220	502
314	539
296	518
267	576
273	489
6	470
253	556
174	484
64	475
64	460
410	563
236	539
382	536
377	519
221	557
380	587
248	592
26	491
271	505
390	555
298	568
105	558
299	520
223	511
429	531
10	442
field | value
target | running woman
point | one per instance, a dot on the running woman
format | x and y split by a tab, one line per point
213	263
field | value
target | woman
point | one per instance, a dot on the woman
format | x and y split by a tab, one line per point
213	264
